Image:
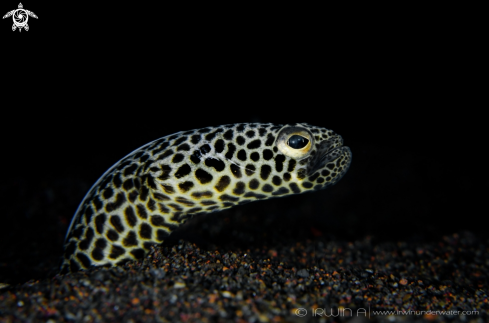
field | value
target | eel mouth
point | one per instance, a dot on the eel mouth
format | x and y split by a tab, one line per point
328	151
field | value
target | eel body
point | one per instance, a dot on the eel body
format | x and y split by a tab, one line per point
140	200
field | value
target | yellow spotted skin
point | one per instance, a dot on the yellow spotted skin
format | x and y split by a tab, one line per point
140	200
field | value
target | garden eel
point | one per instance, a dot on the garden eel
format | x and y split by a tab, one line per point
140	200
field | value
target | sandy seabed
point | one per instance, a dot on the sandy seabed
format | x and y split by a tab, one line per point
284	281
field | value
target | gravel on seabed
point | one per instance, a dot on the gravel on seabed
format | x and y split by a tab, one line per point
289	282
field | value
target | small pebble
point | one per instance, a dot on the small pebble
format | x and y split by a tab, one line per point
303	273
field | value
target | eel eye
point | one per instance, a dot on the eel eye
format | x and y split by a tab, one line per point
297	142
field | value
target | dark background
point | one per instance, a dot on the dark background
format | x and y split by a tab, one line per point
87	85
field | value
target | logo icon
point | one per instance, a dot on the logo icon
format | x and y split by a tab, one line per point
300	312
20	17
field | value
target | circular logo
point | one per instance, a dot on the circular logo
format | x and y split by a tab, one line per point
300	312
20	17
